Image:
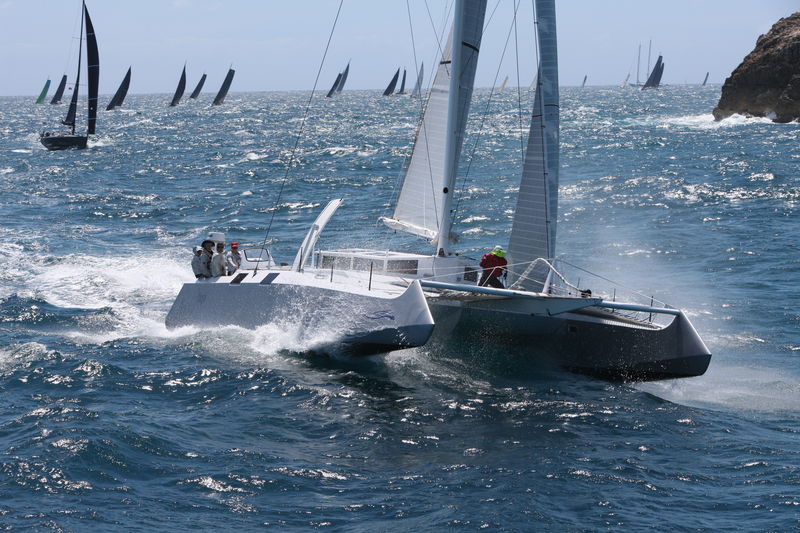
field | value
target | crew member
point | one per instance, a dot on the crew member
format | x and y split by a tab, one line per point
205	259
218	267
233	259
196	270
493	265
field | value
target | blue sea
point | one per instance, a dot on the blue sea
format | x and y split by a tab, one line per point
109	421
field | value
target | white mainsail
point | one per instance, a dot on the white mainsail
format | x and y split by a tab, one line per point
533	233
423	201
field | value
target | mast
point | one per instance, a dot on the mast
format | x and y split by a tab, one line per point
198	88
649	48
121	93
638	62
179	90
226	85
93	71
60	90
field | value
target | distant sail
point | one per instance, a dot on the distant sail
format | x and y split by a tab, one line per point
392	84
181	87
654	80
625	81
341	83
93	71
121	93
334	86
403	84
199	87
705	80
417	92
60	90
502	86
223	91
43	94
584	81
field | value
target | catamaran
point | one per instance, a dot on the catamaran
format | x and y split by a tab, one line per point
540	315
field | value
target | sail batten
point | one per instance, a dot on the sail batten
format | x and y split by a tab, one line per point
533	231
420	204
226	85
60	90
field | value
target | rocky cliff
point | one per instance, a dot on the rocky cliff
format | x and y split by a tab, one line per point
767	83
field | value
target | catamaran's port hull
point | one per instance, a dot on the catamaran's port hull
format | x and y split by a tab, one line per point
589	341
340	321
65	142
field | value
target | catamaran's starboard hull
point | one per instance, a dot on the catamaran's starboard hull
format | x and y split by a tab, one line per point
344	322
65	142
587	341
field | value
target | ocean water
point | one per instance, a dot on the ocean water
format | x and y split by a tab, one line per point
109	421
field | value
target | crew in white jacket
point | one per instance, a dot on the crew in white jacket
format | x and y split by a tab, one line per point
218	267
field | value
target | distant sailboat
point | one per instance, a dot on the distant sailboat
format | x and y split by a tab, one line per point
654	80
342	81
705	80
43	94
417	92
625	81
334	86
584	81
63	141
502	86
392	84
402	84
181	87
198	88
226	85
121	93
60	90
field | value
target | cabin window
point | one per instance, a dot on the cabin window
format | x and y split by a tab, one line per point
403	266
339	263
362	263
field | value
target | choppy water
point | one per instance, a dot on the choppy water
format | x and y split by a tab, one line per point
110	421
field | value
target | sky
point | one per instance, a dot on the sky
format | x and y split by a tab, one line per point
277	45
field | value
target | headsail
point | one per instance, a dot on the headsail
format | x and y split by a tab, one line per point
533	232
417	92
93	70
181	87
427	186
60	90
654	80
43	94
226	85
198	87
121	93
392	84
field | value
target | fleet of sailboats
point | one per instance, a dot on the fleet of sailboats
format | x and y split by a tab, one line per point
71	140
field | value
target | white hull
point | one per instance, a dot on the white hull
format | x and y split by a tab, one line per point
589	339
359	313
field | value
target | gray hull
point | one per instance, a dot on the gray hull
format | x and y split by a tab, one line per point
350	322
589	341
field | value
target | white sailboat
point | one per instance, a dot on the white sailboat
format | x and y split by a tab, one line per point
358	311
539	314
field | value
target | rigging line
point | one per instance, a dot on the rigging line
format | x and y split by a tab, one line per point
519	90
299	135
485	113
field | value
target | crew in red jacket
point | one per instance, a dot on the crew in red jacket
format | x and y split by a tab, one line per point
493	265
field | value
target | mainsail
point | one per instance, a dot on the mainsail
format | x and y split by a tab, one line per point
392	84
422	206
60	90
334	86
533	232
181	87
198	88
121	93
226	85
705	80
654	80
340	85
43	94
93	72
403	84
417	92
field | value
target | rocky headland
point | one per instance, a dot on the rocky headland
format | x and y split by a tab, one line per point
767	82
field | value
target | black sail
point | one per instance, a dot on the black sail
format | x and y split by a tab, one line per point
199	87
392	84
226	85
73	103
403	84
181	87
121	93
341	83
60	91
335	85
654	80
93	69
